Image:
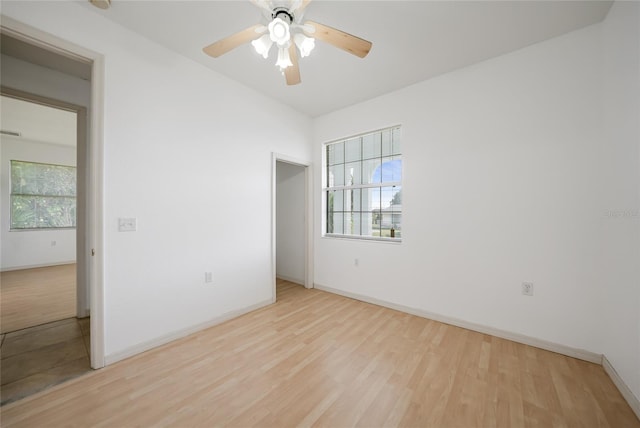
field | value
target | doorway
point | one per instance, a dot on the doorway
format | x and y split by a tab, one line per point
291	235
42	295
39	170
45	69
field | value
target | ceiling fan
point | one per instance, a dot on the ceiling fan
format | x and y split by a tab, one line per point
283	27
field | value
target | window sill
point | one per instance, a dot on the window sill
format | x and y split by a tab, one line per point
44	229
362	238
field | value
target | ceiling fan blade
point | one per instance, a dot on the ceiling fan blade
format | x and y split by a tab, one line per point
345	41
292	73
225	45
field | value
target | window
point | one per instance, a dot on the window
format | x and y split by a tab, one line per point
43	196
363	186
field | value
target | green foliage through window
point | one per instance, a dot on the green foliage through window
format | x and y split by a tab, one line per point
43	196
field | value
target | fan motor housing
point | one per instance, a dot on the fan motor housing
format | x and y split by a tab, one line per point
282	13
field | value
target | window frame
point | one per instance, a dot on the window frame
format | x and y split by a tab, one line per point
379	185
12	195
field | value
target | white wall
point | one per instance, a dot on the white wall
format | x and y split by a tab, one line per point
501	185
290	222
620	224
521	168
179	157
31	248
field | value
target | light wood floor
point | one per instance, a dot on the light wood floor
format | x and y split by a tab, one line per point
314	358
31	297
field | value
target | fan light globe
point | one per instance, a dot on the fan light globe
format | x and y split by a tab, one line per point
284	60
279	31
262	45
305	44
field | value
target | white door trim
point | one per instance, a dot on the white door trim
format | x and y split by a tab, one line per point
308	217
95	146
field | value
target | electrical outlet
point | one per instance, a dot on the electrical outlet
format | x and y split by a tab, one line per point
356	262
208	277
527	288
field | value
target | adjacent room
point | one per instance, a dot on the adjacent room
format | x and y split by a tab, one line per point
45	340
295	213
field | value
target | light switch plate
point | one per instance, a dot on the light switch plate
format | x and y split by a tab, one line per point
127	224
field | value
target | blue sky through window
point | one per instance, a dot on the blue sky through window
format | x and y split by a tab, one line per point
388	171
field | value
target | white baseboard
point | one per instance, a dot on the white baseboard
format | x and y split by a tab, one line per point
164	339
626	392
290	279
70	262
520	338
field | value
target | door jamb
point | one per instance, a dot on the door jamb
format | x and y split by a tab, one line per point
95	190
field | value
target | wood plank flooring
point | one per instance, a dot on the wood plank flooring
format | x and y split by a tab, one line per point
318	359
30	297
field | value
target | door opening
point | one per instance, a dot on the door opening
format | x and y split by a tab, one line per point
47	70
291	225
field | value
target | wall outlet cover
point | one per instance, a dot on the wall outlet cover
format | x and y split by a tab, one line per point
527	288
127	224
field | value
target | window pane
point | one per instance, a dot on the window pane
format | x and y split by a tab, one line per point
352	199
397	168
29	178
371	146
352	223
337	200
23	179
390	196
353	173
338	223
23	212
373	220
352	150
391	169
371	172
42	195
335	153
370	199
329	202
387	147
336	175
396	141
29	212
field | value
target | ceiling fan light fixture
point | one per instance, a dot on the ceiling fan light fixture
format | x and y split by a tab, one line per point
279	31
305	44
285	28
262	45
284	60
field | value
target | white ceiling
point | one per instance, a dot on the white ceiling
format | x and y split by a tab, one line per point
37	122
412	40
